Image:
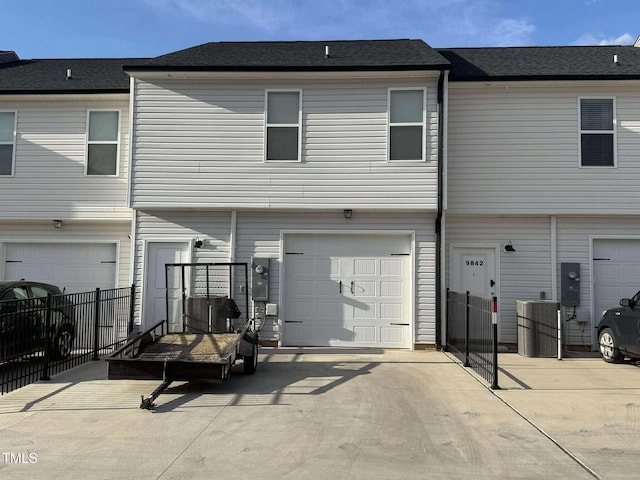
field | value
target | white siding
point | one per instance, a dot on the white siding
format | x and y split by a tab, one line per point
72	232
259	234
200	144
514	149
523	273
49	180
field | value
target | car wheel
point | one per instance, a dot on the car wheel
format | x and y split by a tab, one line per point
250	363
608	347
62	342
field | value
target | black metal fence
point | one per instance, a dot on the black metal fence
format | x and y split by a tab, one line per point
472	333
40	337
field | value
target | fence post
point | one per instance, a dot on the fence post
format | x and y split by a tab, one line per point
494	323
96	326
48	338
445	347
466	332
132	309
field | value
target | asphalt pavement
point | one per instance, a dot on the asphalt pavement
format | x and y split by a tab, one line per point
333	414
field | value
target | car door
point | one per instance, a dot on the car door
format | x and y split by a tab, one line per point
18	322
628	323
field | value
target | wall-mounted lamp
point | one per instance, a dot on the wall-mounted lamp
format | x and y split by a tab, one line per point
348	213
197	243
509	248
57	224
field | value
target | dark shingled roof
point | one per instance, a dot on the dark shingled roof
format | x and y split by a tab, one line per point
88	75
543	63
360	55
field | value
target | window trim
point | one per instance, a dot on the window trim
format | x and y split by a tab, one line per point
102	142
423	124
614	131
276	125
14	143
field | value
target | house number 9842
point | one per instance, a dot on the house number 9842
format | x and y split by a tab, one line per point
475	263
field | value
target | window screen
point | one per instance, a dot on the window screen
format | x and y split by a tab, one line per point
283	126
406	125
7	141
102	147
597	132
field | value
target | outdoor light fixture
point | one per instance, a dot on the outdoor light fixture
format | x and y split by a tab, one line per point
509	248
198	243
57	224
348	213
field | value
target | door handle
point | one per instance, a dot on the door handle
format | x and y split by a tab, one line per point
340	287
493	283
352	285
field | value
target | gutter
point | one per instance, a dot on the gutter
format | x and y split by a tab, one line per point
438	225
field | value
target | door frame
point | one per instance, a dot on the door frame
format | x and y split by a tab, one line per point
146	248
411	234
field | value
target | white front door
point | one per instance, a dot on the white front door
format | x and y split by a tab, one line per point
473	270
157	293
347	290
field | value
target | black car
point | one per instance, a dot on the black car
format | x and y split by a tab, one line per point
23	320
619	331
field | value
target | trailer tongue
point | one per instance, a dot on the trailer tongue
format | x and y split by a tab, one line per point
208	346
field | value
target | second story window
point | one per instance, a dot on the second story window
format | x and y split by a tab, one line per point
597	132
407	138
102	142
284	120
7	142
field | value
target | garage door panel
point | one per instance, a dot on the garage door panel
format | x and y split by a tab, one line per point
74	267
359	284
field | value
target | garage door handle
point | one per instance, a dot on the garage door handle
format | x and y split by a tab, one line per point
402	324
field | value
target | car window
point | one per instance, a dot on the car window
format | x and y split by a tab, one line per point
39	292
636	298
16	293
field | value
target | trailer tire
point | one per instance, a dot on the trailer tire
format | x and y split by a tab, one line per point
250	363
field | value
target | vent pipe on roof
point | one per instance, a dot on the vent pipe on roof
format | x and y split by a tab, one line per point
615	59
326	51
69	74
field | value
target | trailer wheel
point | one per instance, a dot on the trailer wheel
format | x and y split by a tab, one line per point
250	363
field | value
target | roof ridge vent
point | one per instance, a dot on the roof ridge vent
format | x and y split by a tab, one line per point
8	57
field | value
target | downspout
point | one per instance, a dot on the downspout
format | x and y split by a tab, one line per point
438	225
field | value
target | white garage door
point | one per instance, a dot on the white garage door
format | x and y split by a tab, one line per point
616	272
76	267
347	290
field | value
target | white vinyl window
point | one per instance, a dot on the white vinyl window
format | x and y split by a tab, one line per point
597	132
7	142
103	132
407	119
283	125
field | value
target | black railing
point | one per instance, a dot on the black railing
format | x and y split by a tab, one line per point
40	337
472	333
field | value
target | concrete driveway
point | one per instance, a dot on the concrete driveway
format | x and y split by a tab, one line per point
322	413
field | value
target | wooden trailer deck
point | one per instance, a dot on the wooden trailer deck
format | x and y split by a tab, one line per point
192	347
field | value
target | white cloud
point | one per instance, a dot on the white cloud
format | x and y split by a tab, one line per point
439	22
600	39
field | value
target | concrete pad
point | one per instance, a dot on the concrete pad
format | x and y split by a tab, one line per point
588	406
305	414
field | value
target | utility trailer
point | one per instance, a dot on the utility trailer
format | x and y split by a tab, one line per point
203	334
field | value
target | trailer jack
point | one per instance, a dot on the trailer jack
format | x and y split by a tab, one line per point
147	403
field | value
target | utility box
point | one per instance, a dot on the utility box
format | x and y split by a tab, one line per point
537	328
260	279
570	284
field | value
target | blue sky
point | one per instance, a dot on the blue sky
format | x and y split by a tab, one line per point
147	28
